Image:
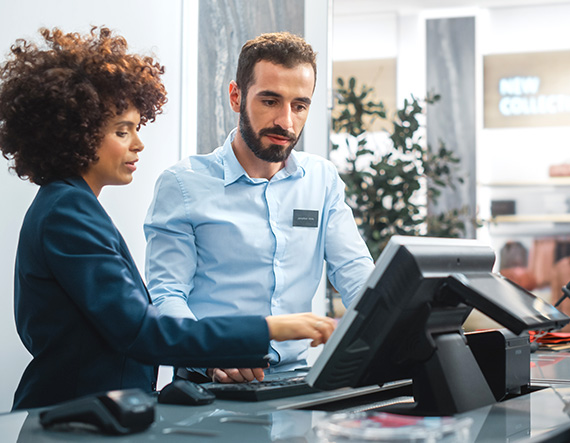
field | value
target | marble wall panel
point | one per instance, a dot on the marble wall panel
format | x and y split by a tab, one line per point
224	26
450	64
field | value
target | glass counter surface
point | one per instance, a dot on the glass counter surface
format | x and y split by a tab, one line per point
543	415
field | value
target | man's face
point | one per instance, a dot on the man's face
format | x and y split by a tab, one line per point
275	109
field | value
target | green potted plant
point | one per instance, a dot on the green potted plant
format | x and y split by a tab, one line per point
390	191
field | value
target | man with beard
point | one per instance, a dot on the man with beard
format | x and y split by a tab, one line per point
247	228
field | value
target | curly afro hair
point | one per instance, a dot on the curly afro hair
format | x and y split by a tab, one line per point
55	99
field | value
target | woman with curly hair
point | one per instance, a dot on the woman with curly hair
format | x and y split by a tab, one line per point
70	110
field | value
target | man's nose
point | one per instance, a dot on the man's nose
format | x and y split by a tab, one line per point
285	118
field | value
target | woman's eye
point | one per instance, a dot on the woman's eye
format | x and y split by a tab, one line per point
121	134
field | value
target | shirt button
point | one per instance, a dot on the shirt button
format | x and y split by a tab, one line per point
277	263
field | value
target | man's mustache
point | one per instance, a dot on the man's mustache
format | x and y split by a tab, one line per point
276	130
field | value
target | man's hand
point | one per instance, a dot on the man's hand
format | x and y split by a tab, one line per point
299	326
235	375
281	328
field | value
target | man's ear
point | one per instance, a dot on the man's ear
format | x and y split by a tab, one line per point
235	96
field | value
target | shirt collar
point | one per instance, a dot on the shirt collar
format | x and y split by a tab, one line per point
233	170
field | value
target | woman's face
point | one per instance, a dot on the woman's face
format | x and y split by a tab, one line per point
118	152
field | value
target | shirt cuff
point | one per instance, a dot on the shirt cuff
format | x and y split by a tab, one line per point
273	356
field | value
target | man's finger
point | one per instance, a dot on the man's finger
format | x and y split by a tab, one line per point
258	373
220	376
235	375
247	374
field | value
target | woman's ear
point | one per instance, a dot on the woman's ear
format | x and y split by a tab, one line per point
235	96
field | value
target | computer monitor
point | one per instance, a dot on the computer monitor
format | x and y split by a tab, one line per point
406	323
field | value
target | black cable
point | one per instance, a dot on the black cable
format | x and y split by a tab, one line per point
565	294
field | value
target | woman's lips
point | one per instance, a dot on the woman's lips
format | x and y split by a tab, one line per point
131	166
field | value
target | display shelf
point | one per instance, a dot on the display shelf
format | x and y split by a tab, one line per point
528	230
552	181
539	218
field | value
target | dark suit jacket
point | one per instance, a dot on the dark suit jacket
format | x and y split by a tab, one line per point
83	312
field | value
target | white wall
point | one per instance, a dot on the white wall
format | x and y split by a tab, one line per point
364	34
149	27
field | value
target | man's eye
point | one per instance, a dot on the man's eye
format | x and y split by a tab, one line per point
269	102
301	108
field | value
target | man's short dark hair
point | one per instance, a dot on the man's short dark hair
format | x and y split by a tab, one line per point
281	48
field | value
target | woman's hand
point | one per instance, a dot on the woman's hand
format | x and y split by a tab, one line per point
300	326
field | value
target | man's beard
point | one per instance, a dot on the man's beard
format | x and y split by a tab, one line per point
273	153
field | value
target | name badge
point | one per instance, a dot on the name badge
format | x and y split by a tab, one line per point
306	218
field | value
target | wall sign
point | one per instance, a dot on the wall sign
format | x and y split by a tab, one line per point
527	90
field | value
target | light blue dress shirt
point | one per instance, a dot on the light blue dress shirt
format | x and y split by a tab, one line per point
221	243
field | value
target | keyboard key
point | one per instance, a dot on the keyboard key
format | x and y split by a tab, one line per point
261	390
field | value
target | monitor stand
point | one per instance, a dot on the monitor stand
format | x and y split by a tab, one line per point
449	382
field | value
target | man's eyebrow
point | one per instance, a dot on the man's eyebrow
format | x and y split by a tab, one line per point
269	93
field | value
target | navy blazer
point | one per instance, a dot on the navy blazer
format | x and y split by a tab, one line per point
83	312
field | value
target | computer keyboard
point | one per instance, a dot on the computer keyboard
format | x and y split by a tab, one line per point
261	390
